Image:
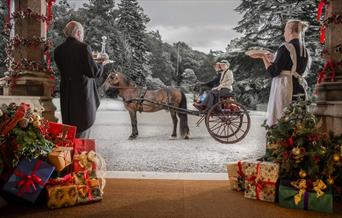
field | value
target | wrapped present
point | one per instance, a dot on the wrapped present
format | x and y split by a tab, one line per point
296	195
62	196
67	170
87	193
85	157
260	180
89	187
62	135
236	176
83	177
28	179
60	157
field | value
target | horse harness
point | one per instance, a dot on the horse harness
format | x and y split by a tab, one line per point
141	95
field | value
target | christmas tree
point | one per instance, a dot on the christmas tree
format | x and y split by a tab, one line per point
302	149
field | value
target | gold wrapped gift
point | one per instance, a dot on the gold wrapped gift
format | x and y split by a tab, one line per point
93	182
62	196
236	176
60	157
88	194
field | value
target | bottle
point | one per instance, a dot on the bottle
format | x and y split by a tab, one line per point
103	54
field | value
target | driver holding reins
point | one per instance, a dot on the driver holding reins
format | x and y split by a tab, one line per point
223	89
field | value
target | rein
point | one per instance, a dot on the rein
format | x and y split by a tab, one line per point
118	87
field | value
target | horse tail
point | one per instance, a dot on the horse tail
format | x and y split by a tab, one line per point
183	125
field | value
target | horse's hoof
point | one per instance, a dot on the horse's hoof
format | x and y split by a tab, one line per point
172	137
188	136
132	137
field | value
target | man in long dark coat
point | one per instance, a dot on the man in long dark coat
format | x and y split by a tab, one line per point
78	91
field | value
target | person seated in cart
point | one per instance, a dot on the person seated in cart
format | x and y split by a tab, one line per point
223	89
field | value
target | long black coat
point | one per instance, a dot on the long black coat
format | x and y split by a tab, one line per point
78	91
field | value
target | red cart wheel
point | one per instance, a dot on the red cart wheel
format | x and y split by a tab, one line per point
228	122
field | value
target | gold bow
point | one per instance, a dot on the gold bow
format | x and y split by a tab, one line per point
86	159
318	186
301	185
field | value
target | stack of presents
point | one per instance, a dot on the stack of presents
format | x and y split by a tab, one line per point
44	160
302	168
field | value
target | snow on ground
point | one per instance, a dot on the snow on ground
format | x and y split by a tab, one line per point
152	151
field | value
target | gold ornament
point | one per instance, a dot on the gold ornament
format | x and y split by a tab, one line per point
330	181
23	123
302	174
314	143
35	116
296	151
323	150
336	157
37	123
299	160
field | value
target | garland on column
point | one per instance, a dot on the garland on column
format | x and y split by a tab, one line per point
34	42
329	66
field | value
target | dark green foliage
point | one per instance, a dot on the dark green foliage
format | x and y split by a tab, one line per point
262	26
132	24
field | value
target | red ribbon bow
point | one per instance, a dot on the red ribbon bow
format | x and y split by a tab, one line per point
28	181
328	65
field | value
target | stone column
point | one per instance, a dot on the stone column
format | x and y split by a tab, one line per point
36	86
329	104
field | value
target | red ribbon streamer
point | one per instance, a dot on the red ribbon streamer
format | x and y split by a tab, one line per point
9	10
50	3
322	34
28	181
240	169
68	179
320	7
258	183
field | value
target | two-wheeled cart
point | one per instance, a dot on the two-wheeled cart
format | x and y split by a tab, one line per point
227	121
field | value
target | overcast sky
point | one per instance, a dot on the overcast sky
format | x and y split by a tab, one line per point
202	24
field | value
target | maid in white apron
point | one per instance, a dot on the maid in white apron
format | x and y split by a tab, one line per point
288	68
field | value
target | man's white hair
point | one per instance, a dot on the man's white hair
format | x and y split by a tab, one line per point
71	28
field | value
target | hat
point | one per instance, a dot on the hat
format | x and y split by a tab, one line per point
225	62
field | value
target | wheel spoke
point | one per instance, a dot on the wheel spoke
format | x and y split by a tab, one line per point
236	126
242	130
231	129
224	129
218	130
217	127
217	123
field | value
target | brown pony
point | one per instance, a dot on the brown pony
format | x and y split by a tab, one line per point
129	91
